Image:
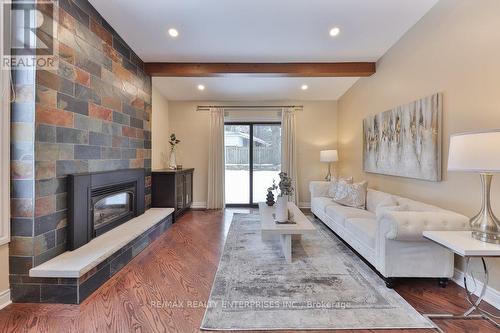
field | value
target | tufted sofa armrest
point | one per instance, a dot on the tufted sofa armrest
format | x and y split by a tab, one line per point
319	188
409	225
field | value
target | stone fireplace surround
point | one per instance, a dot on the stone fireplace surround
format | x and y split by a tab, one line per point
74	275
81	189
95	257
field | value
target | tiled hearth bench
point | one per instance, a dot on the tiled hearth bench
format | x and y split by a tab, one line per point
74	275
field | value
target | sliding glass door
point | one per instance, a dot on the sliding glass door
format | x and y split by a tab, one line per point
253	161
237	155
266	159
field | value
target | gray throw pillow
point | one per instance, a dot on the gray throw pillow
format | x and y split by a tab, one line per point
334	185
351	195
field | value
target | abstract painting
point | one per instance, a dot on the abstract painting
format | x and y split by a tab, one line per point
405	141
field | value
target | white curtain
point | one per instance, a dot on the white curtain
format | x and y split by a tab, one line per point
289	148
215	196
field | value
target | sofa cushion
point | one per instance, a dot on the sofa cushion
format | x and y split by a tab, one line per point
375	198
381	209
365	230
340	213
319	204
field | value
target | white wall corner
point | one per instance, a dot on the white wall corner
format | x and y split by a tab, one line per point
305	205
5	88
492	296
5	299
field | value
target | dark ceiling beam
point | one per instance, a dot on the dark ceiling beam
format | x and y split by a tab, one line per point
309	69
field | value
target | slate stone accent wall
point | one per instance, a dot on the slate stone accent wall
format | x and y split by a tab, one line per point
92	114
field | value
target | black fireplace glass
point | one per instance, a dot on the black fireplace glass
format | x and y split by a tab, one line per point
112	207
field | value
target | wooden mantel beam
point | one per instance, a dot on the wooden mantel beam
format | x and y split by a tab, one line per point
317	69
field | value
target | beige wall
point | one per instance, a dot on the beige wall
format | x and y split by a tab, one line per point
191	128
454	49
160	131
316	130
4	268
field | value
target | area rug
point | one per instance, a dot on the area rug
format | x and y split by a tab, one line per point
325	287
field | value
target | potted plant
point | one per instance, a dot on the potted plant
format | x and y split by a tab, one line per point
286	189
172	164
270	195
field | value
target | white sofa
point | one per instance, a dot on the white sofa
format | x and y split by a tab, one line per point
389	239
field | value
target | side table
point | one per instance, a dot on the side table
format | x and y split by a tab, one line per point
462	244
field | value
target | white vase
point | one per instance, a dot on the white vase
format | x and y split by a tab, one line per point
172	164
281	209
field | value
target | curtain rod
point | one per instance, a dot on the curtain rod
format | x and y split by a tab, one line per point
245	107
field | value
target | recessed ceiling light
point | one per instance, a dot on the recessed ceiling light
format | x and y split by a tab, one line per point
334	31
201	87
173	32
304	87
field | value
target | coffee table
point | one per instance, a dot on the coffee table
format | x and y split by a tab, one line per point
270	228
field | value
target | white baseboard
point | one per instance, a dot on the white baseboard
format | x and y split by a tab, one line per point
5	299
203	205
199	205
492	296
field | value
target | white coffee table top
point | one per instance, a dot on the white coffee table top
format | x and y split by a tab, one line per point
269	226
462	243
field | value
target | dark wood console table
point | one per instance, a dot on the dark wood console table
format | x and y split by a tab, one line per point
172	189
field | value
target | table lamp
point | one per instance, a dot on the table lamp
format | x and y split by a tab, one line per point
329	156
479	152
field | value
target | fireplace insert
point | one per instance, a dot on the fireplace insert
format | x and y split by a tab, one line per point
99	202
111	206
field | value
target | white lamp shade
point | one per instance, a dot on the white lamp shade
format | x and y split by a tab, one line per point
475	152
328	156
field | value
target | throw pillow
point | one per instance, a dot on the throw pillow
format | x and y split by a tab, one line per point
334	185
352	195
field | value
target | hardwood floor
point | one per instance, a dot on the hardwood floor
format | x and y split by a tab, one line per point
163	290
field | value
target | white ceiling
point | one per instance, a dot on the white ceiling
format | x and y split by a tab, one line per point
252	88
260	31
